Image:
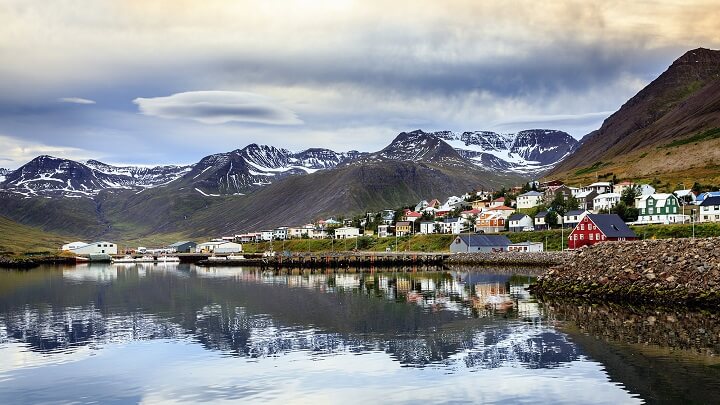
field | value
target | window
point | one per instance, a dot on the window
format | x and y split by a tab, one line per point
651	210
590	237
582	227
582	236
597	236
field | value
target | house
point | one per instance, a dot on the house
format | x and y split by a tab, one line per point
601	187
470	213
585	199
572	218
218	246
605	201
529	200
428	227
94	248
383	231
480	243
595	228
710	210
280	233
347	232
502	210
452	225
685	196
434	203
520	223
539	221
552	192
480	205
527	247
247	238
387	217
422	205
498	202
317	233
403	228
266	235
411	216
185	246
642	189
552	183
702	196
659	208
490	222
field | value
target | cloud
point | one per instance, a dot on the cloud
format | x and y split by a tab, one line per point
218	107
16	152
75	100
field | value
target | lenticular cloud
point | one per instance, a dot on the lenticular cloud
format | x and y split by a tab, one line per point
218	107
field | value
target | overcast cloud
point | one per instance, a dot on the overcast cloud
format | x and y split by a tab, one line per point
171	81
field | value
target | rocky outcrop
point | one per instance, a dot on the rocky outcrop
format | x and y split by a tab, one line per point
671	271
545	259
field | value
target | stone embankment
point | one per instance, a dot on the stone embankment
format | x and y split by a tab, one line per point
542	259
9	262
670	271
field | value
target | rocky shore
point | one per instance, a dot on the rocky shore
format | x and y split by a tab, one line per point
9	262
540	259
670	271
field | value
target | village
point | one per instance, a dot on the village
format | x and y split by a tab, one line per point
601	211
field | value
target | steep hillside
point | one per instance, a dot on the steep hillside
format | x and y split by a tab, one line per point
18	238
645	137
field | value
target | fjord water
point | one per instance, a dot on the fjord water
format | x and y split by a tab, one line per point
184	334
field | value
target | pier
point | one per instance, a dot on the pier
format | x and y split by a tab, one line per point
330	260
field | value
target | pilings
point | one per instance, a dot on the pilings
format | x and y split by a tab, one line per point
336	261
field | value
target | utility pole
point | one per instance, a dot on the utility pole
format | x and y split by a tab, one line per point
692	212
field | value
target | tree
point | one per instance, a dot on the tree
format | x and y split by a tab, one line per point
572	204
628	214
558	204
551	219
629	194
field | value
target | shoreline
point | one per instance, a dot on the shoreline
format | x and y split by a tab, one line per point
672	272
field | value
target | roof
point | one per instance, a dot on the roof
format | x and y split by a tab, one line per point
710	201
500	199
612	225
541	214
584	194
413	214
176	244
402	223
517	217
472	211
683	193
532	194
601	184
485	240
502	208
450	220
574	213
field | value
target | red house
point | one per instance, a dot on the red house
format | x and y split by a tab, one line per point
596	228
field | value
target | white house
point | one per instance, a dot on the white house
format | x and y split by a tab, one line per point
601	187
347	232
82	248
520	223
529	200
710	210
280	233
427	227
605	201
527	247
452	225
266	235
685	196
572	218
383	231
218	246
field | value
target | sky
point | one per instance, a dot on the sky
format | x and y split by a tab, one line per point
170	81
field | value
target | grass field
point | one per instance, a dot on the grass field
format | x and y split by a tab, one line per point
441	243
16	238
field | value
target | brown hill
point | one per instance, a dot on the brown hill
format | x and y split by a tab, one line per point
679	109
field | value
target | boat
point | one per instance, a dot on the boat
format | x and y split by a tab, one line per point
125	259
168	259
235	257
217	258
145	259
81	259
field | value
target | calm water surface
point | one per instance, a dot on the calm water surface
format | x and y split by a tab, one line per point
184	334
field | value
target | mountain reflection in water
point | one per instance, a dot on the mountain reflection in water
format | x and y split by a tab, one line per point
454	322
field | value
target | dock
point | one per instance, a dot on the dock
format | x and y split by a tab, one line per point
333	260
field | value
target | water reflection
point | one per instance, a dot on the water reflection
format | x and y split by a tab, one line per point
453	322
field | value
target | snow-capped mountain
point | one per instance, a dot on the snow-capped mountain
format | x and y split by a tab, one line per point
243	170
3	173
526	152
417	146
51	176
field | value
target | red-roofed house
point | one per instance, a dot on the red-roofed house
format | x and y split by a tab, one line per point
411	216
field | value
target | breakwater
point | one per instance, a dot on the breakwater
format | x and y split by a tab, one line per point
671	271
30	262
540	259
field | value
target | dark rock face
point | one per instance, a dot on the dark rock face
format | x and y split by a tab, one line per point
544	145
681	101
671	271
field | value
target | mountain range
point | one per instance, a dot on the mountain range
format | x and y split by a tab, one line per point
263	186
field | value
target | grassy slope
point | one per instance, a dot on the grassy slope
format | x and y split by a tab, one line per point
17	238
